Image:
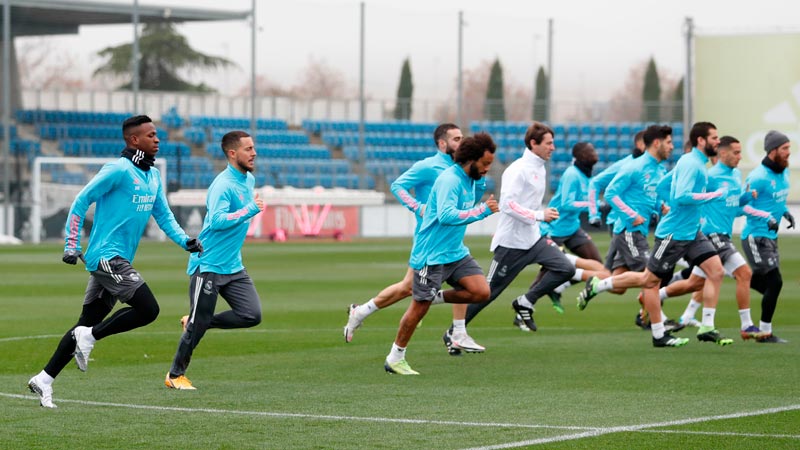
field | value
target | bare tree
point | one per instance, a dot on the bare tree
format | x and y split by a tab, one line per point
320	80
44	66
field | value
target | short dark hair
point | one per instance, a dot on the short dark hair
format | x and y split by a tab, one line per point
441	131
579	149
638	137
472	148
700	130
536	132
132	122
654	132
231	139
726	141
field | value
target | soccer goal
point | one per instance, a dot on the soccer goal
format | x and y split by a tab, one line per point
55	182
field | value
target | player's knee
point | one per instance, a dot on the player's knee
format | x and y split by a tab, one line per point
406	290
481	293
649	280
696	283
618	291
253	319
743	274
775	280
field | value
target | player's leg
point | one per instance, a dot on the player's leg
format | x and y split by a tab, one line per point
388	296
97	304
702	253
203	291
240	293
652	304
506	264
559	270
427	282
469	286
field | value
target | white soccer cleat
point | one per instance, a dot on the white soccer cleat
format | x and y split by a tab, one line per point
45	392
464	341
353	322
84	343
690	323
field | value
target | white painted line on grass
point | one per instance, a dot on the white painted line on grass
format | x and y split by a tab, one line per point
297	415
724	433
630	428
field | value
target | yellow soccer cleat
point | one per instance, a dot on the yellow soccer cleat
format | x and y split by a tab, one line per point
181	383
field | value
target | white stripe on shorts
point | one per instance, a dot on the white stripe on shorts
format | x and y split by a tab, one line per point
663	247
751	241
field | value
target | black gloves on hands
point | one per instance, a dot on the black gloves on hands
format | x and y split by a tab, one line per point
72	257
788	216
772	225
194	246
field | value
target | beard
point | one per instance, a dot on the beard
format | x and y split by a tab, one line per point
473	172
710	151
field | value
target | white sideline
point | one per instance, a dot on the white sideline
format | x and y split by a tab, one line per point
34	398
630	428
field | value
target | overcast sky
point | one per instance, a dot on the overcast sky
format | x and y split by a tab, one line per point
595	42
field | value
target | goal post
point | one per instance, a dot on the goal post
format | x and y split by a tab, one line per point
56	196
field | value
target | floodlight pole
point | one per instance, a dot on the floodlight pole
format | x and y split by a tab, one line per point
549	101
361	110
460	87
9	225
689	80
253	71
135	58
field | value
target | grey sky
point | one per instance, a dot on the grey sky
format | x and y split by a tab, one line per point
595	45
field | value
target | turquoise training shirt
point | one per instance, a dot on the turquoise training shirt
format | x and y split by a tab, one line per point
125	197
230	204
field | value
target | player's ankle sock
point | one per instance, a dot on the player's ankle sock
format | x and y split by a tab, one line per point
690	311
523	301
563	287
708	317
766	327
605	285
662	293
367	308
744	316
657	329
44	377
459	326
397	354
439	298
578	275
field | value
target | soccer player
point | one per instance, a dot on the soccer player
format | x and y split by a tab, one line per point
760	243
633	194
518	242
717	226
439	253
127	192
230	204
419	178
571	199
678	236
600	182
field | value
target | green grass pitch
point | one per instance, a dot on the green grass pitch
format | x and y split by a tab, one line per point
586	379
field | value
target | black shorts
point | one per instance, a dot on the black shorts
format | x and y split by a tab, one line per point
629	249
761	253
429	279
572	241
115	276
667	252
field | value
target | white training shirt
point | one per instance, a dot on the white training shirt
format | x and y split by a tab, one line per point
521	193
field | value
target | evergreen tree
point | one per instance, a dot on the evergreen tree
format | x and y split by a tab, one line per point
493	108
163	52
677	97
405	91
540	98
651	93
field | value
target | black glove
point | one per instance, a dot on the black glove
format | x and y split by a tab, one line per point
772	225
595	222
604	208
194	246
788	216
654	218
72	256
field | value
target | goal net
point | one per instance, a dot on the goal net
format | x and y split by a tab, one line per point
55	182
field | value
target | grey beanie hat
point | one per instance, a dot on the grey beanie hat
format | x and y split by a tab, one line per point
773	140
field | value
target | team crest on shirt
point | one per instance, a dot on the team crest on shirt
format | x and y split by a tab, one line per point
772	183
136	186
